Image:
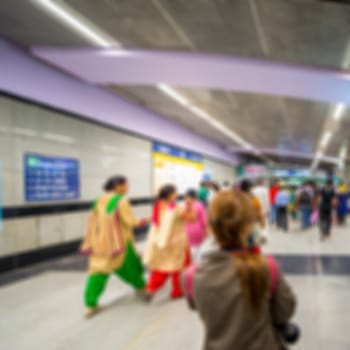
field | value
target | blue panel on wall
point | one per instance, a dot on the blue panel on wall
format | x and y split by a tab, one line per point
176	152
50	178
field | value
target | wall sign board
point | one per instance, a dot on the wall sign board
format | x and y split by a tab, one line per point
176	166
49	178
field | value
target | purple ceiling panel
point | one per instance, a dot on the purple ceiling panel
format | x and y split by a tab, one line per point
193	69
25	76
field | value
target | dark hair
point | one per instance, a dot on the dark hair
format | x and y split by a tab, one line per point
114	181
246	185
215	186
191	193
165	192
329	182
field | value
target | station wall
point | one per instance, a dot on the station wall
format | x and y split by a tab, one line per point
219	171
101	151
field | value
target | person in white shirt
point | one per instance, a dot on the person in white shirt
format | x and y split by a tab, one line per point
261	191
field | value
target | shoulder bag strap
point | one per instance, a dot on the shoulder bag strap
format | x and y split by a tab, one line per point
273	274
189	275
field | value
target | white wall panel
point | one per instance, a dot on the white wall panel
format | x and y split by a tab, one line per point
8	238
19	235
74	225
102	152
143	211
9	186
51	230
27	235
220	171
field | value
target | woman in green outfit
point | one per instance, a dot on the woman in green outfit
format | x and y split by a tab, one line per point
109	242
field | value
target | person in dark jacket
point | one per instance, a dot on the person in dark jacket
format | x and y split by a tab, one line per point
327	202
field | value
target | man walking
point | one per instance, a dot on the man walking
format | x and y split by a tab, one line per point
282	201
305	198
326	203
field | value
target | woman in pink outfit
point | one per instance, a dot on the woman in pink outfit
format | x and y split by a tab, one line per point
197	228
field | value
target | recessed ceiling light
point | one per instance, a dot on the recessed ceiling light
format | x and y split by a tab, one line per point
325	139
172	93
76	22
338	111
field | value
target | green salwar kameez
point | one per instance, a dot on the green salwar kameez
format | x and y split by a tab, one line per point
109	242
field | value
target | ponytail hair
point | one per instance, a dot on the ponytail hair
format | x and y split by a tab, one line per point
230	213
254	276
114	181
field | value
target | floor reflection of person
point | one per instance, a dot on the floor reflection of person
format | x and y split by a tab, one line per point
167	250
109	243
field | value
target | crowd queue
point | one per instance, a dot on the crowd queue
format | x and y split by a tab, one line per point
240	295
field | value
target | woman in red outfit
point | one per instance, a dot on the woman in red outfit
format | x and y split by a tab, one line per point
167	247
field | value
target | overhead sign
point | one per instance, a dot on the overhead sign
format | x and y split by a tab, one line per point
50	178
255	170
179	167
292	172
176	152
251	171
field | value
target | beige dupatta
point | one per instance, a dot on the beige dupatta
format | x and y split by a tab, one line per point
103	236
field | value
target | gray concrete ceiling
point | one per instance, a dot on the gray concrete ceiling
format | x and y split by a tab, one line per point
266	121
310	32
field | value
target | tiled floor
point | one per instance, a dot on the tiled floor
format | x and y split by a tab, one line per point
44	310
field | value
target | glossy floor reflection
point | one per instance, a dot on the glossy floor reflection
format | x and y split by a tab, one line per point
43	310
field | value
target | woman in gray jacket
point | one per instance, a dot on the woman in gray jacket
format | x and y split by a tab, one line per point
232	289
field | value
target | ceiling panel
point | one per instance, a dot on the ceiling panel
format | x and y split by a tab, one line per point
265	121
307	32
136	23
152	99
24	23
295	31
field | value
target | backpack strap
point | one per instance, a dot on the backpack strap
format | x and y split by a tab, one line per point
273	274
189	275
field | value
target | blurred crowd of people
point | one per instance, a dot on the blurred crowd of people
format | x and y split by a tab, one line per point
254	297
310	203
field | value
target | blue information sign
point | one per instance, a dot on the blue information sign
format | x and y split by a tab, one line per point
292	173
50	178
176	152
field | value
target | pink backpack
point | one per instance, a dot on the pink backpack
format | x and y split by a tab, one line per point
190	271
